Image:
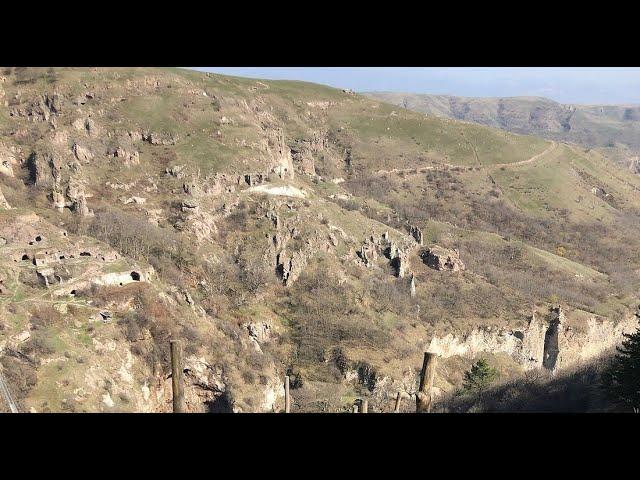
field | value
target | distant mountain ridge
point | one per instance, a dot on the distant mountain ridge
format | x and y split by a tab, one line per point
588	125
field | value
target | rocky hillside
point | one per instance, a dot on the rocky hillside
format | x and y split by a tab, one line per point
289	228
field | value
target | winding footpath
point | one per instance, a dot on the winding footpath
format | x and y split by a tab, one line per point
449	166
549	149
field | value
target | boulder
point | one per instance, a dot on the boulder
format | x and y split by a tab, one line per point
189	206
137	200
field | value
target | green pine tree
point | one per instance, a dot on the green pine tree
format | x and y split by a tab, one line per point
622	379
479	377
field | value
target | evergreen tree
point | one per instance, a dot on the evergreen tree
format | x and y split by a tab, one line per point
479	377
622	378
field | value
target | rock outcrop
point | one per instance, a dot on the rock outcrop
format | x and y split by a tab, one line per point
290	266
129	157
155	138
399	263
282	161
88	126
175	171
416	233
368	254
551	342
440	258
45	169
7	161
304	151
81	153
383	245
77	198
43	109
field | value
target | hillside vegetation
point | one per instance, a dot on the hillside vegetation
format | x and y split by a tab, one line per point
612	129
281	227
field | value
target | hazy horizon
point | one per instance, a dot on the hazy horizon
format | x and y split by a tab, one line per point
578	85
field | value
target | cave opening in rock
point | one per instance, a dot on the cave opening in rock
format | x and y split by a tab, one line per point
72	292
219	404
38	238
280	271
135	276
25	257
85	254
551	346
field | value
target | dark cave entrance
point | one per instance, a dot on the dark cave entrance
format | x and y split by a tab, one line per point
551	346
219	404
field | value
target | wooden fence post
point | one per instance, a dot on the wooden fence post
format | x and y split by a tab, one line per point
355	408
424	396
397	407
287	397
177	377
365	406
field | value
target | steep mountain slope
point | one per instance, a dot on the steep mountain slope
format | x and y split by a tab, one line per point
594	126
285	227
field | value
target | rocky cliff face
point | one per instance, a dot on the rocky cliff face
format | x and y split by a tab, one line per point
549	341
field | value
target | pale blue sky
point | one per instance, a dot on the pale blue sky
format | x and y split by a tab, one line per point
596	85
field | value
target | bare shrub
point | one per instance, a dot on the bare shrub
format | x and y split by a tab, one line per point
137	238
43	316
323	316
